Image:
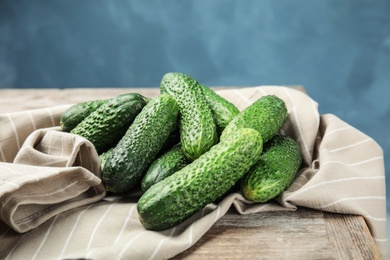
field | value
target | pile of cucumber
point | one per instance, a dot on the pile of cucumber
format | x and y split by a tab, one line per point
187	147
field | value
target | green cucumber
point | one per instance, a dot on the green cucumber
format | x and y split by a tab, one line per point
138	148
103	157
72	116
266	115
223	110
179	196
173	139
167	164
198	131
274	172
105	126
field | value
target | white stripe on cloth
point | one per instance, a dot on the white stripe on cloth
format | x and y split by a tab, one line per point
374	218
125	223
298	120
374	178
72	231
5	232
191	228
15	246
45	194
44	239
346	146
7	182
121	253
3	206
243	97
354	164
337	130
92	236
18	145
351	199
262	91
161	242
32	120
3	159
51	116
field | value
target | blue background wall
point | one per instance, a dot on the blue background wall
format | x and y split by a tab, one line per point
339	50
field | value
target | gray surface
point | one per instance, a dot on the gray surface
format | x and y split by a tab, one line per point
339	50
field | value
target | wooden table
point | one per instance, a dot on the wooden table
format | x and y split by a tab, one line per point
303	234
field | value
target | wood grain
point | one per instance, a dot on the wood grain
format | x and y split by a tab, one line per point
351	237
303	234
13	100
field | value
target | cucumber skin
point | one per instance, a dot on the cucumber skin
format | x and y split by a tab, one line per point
274	172
223	110
103	157
266	115
167	164
130	158
198	132
179	196
172	140
72	116
105	126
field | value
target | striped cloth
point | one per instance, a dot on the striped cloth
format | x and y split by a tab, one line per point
50	186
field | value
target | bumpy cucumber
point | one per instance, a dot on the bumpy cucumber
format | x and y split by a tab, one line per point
130	158
72	116
103	157
223	110
266	115
105	126
274	172
167	164
173	139
187	191
197	128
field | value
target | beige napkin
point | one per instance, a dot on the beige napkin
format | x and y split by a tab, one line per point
343	172
52	172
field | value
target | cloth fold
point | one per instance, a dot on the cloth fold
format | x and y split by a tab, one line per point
342	172
52	172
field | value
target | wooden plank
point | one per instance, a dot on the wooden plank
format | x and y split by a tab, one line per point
13	100
303	234
351	237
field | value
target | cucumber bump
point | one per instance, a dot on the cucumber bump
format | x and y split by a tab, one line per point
105	126
266	115
130	158
76	113
198	132
275	170
201	182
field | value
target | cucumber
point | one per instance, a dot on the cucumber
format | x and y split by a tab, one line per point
223	110
103	157
198	132
130	158
266	115
201	182
173	139
105	126
167	164
274	172
72	116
